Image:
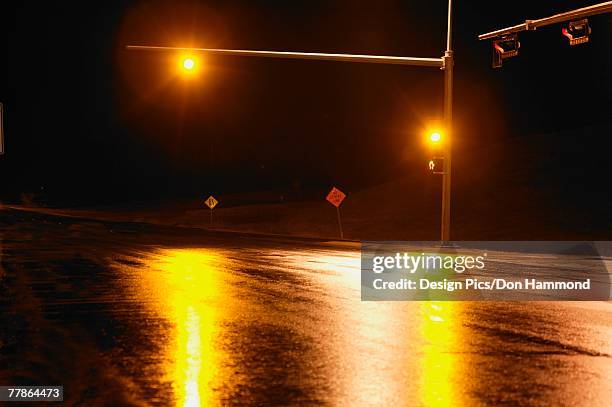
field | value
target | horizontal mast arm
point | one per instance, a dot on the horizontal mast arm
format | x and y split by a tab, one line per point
374	59
600	8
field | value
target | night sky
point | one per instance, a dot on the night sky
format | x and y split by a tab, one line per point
88	122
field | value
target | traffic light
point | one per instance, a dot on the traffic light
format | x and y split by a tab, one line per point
577	32
505	47
436	165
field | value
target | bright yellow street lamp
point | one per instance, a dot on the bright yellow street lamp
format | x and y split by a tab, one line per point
189	64
435	137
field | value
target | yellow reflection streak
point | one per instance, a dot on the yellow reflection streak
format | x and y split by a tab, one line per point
342	267
185	286
192	358
428	369
365	352
440	364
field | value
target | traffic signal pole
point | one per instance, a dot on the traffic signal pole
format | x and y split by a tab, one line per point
448	60
445	63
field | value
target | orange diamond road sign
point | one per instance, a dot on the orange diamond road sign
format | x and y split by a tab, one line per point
211	202
335	197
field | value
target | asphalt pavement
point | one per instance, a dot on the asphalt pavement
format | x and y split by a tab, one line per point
137	314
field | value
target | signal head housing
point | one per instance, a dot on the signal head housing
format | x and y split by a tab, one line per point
504	47
577	32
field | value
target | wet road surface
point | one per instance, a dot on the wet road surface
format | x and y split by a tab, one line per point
135	314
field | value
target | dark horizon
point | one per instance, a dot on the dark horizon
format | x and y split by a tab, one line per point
88	122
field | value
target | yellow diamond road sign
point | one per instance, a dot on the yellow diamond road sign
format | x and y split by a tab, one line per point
211	202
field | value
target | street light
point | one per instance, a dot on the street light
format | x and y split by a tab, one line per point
188	64
444	63
435	137
437	163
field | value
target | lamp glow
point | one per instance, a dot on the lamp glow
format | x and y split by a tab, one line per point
188	64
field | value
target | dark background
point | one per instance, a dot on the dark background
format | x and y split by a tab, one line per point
88	122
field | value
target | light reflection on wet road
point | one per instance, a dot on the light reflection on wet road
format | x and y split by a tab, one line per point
127	314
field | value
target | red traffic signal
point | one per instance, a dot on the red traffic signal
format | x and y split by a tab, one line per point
577	32
505	47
